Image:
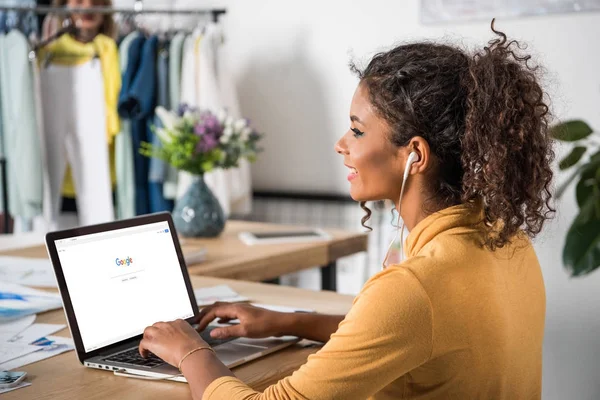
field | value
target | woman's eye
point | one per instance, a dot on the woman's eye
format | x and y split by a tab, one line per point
357	133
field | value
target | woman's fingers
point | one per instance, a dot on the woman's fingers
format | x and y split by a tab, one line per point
144	347
227	311
228	332
207	309
150	332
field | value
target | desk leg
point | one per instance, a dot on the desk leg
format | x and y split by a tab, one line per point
329	277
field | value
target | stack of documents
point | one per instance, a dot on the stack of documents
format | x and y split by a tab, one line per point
24	342
18	301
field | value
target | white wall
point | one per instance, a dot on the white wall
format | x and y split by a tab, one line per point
289	63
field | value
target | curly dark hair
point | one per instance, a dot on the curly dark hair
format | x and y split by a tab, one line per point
486	122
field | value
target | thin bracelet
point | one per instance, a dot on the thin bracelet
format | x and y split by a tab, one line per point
192	352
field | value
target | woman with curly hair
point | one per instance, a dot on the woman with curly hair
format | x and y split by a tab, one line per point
460	143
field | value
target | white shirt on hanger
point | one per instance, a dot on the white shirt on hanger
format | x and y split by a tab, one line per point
206	84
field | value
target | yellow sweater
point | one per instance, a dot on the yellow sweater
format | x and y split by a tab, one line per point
454	321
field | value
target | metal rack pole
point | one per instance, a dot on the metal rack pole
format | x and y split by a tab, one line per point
110	10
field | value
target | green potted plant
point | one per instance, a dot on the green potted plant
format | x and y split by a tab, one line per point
581	252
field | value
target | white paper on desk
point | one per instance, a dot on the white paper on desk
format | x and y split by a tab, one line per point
17	301
10	351
54	346
210	295
27	271
11	328
36	331
19	386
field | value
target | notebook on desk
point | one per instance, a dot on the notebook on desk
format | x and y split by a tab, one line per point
116	279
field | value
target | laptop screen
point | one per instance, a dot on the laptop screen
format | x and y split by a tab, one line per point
122	281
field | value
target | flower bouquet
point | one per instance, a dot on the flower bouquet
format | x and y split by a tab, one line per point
198	141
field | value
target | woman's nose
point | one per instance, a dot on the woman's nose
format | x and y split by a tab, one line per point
340	146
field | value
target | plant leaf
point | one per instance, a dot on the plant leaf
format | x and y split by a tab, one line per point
574	156
587	181
571	131
581	253
584	190
592	166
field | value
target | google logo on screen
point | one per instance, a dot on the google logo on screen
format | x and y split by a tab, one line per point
127	261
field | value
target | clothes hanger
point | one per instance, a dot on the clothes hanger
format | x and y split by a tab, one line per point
69	28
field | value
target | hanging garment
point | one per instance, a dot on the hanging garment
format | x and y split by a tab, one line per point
137	102
212	89
188	70
20	135
238	181
26	22
75	127
175	61
124	166
156	175
37	96
1	128
68	51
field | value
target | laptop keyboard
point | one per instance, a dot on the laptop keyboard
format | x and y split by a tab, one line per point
133	357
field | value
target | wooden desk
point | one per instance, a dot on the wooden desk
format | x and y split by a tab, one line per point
228	257
63	377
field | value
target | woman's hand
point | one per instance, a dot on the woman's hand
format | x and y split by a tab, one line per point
255	322
170	340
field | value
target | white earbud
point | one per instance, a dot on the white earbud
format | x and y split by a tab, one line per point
412	158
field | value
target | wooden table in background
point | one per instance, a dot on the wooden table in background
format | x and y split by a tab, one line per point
63	377
228	257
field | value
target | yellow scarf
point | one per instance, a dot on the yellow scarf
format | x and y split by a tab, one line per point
68	51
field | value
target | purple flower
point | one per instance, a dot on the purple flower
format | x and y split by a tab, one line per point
206	144
212	123
199	130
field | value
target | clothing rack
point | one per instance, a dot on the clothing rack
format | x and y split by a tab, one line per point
138	8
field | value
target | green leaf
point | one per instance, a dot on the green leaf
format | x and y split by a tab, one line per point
587	181
573	158
571	131
207	166
583	191
581	253
592	165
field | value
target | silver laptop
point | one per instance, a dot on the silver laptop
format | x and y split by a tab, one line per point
116	279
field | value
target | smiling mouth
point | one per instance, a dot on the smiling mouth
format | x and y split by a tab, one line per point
353	173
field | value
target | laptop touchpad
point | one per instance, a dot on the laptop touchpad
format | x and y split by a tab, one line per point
232	351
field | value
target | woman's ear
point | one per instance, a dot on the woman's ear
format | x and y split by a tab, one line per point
420	146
